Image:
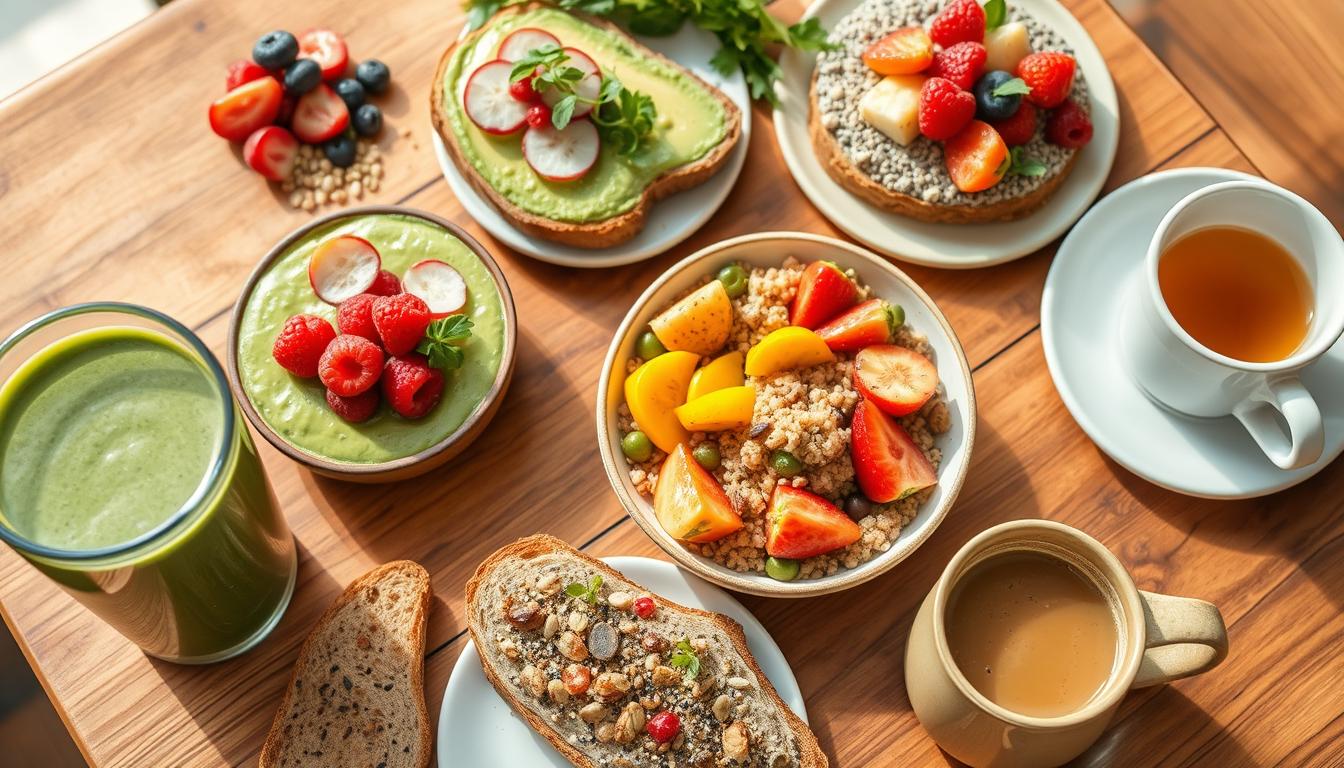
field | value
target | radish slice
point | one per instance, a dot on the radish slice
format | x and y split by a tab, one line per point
561	155
523	41
589	87
438	285
343	267
488	102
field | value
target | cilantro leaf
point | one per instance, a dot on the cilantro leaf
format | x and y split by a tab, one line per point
1015	87
441	341
996	12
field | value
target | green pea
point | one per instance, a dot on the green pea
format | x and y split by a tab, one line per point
707	455
637	446
648	346
734	279
897	315
785	464
781	569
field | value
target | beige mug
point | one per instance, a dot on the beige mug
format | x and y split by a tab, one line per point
1160	639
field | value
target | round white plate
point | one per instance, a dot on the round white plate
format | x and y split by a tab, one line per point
1093	274
958	246
476	727
671	219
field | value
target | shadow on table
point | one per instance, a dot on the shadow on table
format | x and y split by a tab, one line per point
30	729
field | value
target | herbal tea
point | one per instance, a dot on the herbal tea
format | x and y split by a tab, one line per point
1031	633
1237	292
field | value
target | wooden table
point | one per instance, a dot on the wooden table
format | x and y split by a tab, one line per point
114	188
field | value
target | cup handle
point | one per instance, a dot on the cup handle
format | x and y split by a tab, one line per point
1185	637
1305	440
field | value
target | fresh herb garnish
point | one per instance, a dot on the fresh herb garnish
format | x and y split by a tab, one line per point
744	29
996	12
586	593
684	658
1015	87
1019	164
624	118
441	341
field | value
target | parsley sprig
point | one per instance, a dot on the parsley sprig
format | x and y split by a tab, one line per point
442	340
623	117
588	593
684	658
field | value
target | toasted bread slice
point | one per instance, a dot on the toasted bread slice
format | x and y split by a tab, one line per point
601	233
529	629
357	695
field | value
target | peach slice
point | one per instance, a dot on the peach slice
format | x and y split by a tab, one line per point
720	373
654	391
689	503
699	323
785	349
728	408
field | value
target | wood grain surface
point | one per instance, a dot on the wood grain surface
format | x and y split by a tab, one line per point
116	193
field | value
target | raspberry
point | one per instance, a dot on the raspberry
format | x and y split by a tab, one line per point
962	63
355	409
944	109
1020	128
1050	77
644	607
301	343
385	284
663	727
401	321
351	365
411	387
1069	126
355	317
960	22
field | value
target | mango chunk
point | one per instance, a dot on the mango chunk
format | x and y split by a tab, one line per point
699	323
787	348
689	503
721	409
721	373
654	391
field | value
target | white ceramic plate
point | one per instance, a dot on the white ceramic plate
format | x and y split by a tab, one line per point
476	728
1093	273
671	219
950	245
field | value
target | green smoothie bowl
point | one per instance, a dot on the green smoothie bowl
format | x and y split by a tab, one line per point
373	344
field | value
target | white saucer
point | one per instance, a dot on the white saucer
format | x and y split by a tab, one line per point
671	219
1090	279
957	246
477	728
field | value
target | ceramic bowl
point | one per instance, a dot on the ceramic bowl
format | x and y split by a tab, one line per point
449	445
769	249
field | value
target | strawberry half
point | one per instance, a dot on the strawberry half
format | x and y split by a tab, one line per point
319	115
327	49
271	151
823	292
887	463
243	71
895	379
801	524
864	325
250	106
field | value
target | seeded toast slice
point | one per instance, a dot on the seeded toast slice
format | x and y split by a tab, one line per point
357	694
601	233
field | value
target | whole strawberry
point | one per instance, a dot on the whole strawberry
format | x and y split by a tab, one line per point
962	63
355	409
1050	77
401	321
411	387
961	21
944	109
355	317
301	343
350	366
1020	128
1069	126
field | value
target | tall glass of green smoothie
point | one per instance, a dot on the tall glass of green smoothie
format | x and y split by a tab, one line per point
128	476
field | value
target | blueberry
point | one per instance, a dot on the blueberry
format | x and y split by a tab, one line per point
276	50
302	77
990	107
368	120
340	150
351	92
373	75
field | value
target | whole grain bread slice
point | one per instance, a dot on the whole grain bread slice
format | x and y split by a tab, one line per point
356	698
602	233
486	624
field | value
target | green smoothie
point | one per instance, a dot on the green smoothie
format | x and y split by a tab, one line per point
117	452
296	409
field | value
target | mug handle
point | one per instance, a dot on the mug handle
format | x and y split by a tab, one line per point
1305	440
1185	637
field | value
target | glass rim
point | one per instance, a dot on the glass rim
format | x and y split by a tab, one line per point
209	480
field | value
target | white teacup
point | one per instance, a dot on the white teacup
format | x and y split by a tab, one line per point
1178	372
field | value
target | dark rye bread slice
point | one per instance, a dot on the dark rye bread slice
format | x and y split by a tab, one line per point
357	695
602	233
516	557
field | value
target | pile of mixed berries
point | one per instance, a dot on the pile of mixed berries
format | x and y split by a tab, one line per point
299	89
974	83
393	340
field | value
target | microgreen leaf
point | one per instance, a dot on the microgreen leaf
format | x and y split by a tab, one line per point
1015	87
546	56
1022	165
441	341
563	111
587	593
996	12
684	658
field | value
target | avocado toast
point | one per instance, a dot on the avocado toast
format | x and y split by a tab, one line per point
605	202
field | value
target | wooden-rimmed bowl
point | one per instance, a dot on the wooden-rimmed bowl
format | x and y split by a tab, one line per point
444	449
769	249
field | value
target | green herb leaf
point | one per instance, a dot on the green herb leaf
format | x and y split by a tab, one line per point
1022	165
658	20
548	55
587	593
576	590
563	111
684	658
1015	87
480	11
441	340
996	11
